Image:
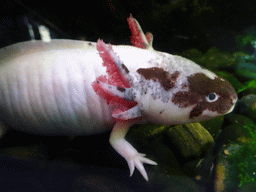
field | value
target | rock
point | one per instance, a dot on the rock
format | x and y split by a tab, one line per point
237	119
250	102
143	134
192	140
235	167
213	125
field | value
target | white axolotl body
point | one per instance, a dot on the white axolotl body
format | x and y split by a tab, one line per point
51	85
46	88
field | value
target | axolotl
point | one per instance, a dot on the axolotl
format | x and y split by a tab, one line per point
71	87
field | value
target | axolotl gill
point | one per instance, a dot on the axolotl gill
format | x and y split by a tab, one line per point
70	87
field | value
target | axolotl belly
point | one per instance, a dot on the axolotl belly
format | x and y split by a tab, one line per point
67	87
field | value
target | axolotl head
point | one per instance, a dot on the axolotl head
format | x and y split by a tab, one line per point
172	90
178	91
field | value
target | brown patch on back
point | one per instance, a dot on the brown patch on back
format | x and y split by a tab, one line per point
158	74
199	87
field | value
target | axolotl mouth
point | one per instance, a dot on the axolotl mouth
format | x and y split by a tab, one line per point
231	109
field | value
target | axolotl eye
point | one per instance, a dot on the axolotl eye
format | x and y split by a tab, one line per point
212	97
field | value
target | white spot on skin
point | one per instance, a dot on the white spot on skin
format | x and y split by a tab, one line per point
210	74
207	113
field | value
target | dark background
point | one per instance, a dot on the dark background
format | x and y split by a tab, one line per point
177	25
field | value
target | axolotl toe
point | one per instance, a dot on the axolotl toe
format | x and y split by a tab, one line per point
67	87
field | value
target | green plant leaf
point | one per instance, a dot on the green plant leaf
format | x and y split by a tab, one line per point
250	84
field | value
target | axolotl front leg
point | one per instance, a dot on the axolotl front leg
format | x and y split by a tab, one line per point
126	150
127	112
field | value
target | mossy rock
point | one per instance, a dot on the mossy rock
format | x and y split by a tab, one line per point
236	166
213	125
250	102
143	134
232	133
225	178
238	119
192	140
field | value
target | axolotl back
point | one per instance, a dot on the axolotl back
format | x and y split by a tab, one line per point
66	87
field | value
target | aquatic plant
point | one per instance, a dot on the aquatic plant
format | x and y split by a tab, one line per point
248	85
243	40
247	70
244	159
